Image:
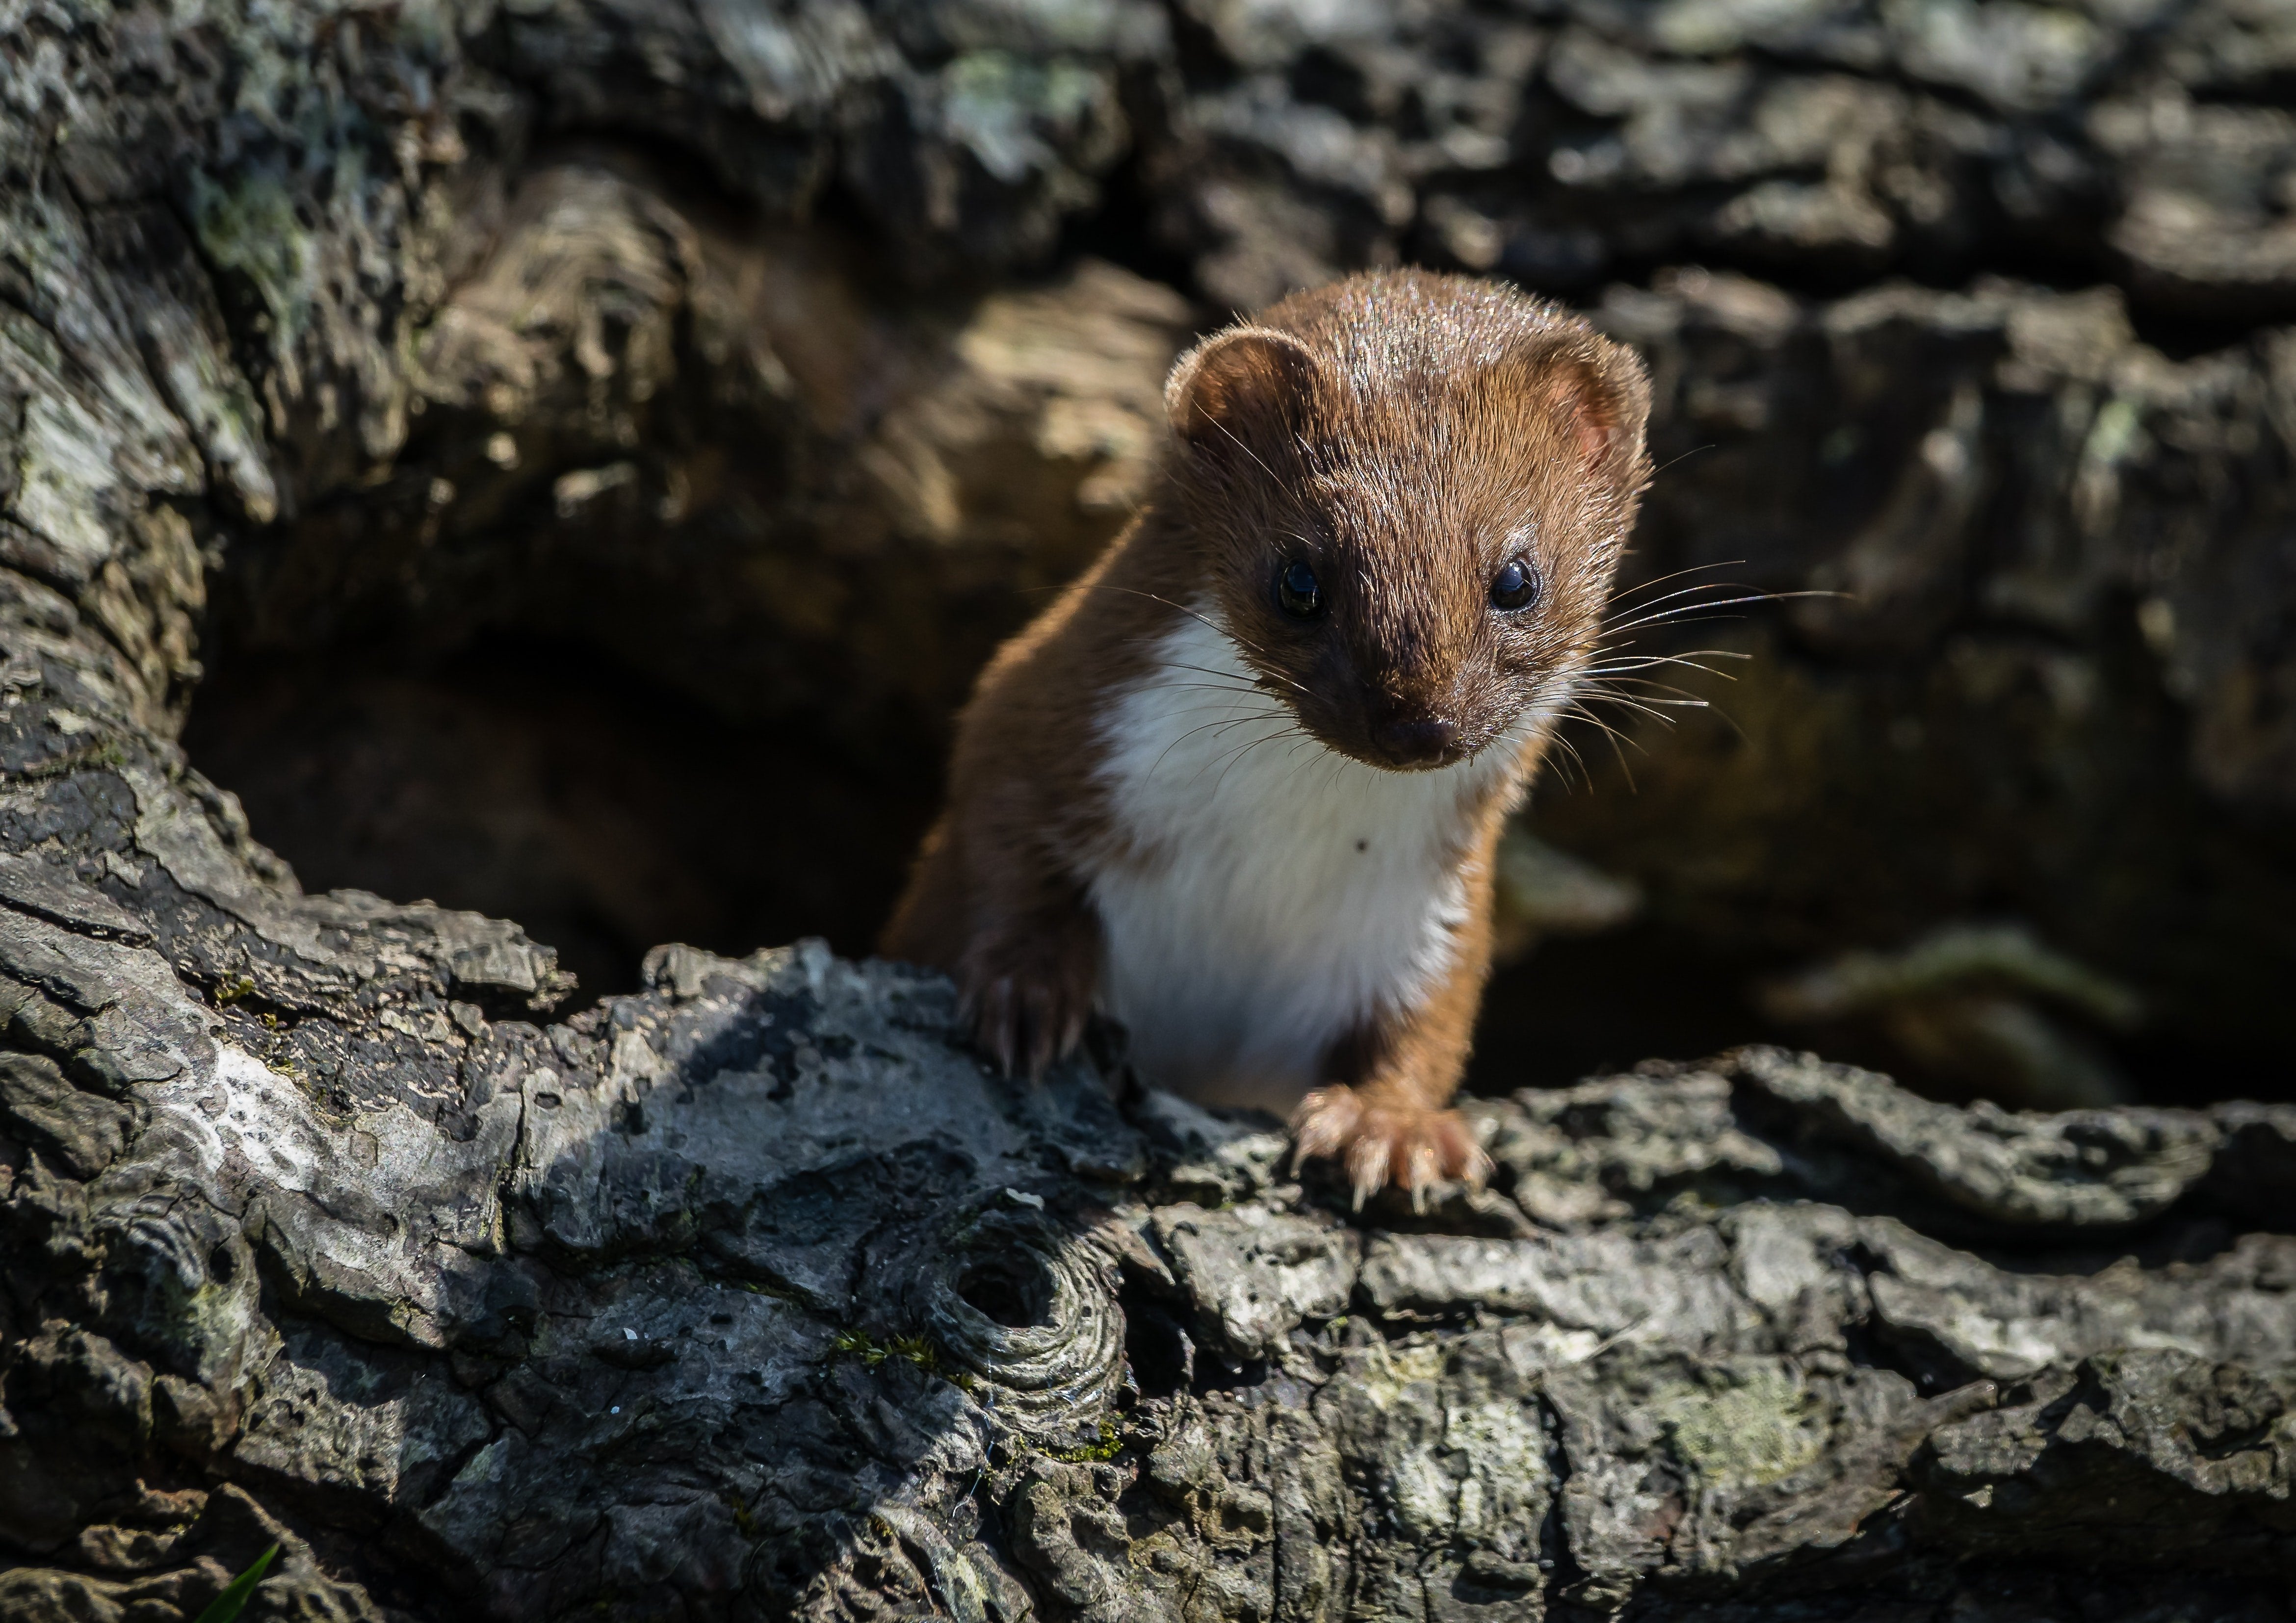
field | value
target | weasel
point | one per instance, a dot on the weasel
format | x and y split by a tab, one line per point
1239	787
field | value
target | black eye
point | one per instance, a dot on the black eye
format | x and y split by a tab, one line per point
1298	593
1515	586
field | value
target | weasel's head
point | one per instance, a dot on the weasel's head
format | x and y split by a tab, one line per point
1411	492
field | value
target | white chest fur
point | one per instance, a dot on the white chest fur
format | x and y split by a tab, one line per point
1265	893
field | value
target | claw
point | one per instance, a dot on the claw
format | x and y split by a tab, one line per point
1424	1169
1325	1121
1366	1169
1023	1023
1377	1144
997	1018
1039	1029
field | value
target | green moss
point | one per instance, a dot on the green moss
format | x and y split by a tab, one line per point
110	752
1111	1444
742	1519
916	1350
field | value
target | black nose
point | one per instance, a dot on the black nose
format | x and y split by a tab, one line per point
1416	741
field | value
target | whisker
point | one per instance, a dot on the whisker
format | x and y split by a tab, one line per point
1591	719
1682	694
1719	714
1619	603
1673	461
1207	765
1577	760
1604	691
1603	696
1243	644
1687	613
1600	692
1291	756
1632	704
1688	654
1638	662
1235	688
1239	754
1615	737
1661	580
1643	703
1626	673
1203	726
1256	683
1642	687
1212	626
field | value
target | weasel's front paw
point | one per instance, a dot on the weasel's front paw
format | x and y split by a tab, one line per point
1027	1008
1408	1145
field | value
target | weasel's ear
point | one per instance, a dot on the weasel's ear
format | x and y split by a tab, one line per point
1601	392
1239	387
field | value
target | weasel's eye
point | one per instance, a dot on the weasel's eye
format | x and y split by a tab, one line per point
1515	586
1298	593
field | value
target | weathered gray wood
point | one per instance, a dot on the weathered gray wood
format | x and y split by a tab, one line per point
330	1220
682	1305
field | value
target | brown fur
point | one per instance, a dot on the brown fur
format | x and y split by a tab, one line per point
1406	435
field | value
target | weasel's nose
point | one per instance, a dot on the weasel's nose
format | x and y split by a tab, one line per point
1416	741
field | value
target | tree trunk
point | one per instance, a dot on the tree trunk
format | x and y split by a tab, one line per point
691	331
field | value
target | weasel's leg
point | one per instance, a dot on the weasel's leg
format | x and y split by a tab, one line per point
1384	1108
1028	979
997	911
1020	940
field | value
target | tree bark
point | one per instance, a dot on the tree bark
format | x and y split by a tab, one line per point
751	1294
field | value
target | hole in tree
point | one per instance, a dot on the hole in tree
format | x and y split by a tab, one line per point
541	781
1014	1292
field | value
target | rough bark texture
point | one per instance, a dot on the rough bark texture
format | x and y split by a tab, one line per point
678	330
751	1296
